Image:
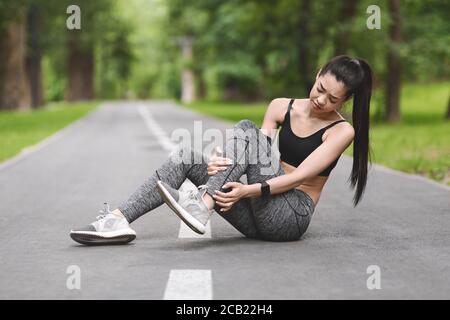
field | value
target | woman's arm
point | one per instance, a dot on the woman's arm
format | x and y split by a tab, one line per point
333	146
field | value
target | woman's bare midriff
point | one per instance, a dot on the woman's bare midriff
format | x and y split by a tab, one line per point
313	187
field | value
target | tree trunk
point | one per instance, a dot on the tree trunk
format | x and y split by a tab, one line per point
201	86
188	89
304	63
80	69
346	14
448	109
393	65
14	86
34	57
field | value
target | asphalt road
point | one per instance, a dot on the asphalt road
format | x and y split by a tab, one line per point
401	227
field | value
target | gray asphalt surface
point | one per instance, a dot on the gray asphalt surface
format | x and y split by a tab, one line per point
402	226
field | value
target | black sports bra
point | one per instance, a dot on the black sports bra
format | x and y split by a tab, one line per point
294	149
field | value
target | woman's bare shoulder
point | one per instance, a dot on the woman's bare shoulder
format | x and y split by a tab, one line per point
281	102
278	108
343	128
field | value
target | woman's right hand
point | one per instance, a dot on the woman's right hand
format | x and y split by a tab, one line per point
217	162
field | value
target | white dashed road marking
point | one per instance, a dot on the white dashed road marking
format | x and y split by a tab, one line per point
189	285
182	284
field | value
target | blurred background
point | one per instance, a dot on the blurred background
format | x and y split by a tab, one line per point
228	59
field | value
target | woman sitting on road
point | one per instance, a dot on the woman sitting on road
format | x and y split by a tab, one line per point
282	192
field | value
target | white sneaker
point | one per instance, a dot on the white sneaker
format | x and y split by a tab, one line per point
108	229
188	205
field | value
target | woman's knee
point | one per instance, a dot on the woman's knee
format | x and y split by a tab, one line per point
245	124
246	130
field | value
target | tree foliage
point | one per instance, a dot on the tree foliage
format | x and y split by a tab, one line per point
242	49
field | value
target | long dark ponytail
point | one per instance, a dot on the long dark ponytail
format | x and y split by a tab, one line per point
357	76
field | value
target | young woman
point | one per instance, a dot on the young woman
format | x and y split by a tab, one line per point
282	191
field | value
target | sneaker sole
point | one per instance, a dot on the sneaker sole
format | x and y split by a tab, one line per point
93	238
185	216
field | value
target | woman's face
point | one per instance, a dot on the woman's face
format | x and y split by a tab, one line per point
327	94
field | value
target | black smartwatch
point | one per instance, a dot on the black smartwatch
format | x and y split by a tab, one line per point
265	189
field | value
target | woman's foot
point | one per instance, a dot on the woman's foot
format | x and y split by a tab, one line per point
188	205
110	228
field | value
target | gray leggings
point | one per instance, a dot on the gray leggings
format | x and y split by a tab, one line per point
280	217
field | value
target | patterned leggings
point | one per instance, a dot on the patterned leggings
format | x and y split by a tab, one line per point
280	217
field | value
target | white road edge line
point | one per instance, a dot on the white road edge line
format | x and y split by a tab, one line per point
189	285
156	129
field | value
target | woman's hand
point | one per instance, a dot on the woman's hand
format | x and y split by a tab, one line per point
227	199
217	163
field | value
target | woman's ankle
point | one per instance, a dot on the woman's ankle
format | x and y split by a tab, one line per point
209	201
117	212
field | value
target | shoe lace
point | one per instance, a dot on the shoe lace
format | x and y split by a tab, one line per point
193	194
104	212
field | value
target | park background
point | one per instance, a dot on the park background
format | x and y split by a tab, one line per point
227	59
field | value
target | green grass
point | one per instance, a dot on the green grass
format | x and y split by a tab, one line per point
419	143
21	129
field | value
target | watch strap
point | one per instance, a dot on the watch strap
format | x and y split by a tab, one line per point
265	189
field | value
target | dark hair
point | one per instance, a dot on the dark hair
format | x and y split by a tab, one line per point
356	74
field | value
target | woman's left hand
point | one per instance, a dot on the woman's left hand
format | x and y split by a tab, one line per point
227	199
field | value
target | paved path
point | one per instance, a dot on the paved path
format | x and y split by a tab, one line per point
402	226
